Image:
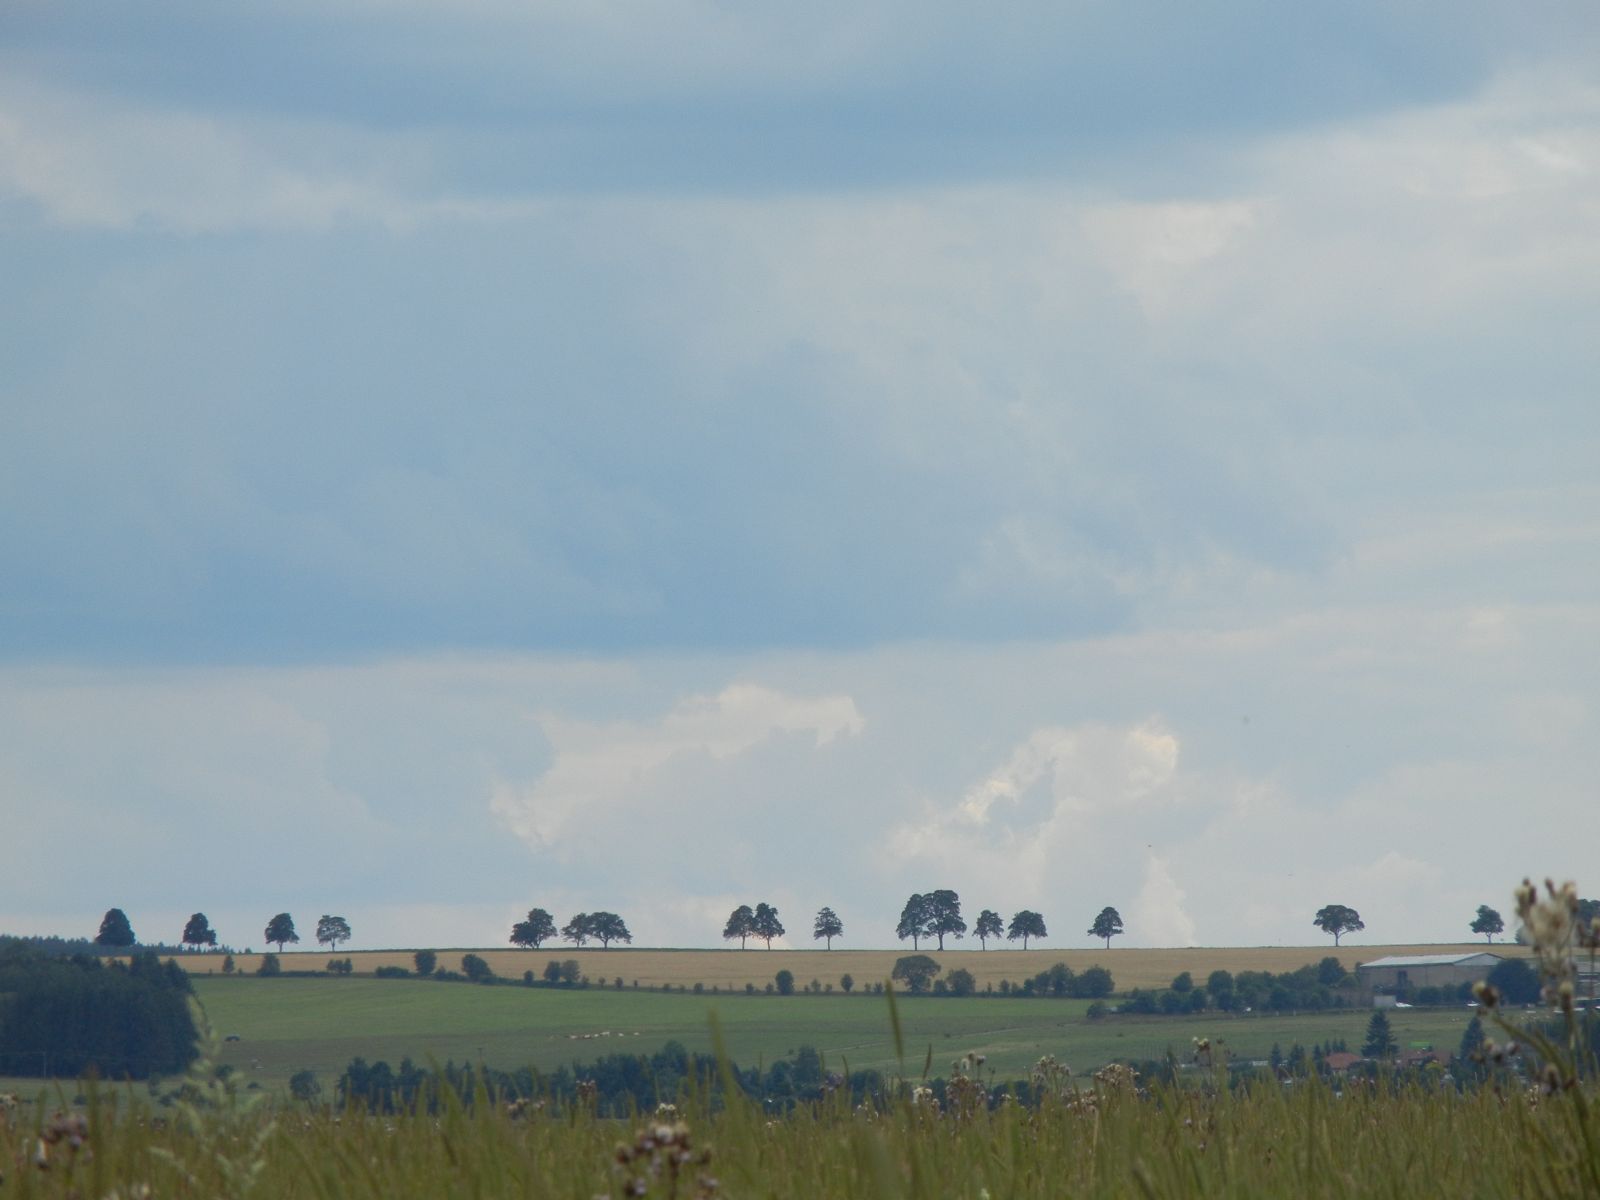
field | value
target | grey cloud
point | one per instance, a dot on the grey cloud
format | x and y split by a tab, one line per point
711	98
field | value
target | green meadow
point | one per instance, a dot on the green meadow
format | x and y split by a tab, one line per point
286	1025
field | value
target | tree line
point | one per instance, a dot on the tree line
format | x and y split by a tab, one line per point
66	1016
935	914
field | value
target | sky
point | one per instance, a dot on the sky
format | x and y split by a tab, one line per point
661	456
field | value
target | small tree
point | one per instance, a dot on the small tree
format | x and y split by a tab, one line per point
961	982
741	924
916	970
1094	983
1338	919
990	925
577	930
198	932
269	965
425	961
1380	1041
332	930
1026	924
785	981
1472	1039
1107	925
281	931
607	927
476	968
303	1086
767	926
534	932
115	932
827	926
847	981
914	918
1488	922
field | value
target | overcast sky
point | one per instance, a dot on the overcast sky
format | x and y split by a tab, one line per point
661	456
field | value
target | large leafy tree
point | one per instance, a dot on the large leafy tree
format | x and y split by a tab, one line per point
827	926
741	924
916	970
115	932
944	915
1488	922
578	930
990	925
539	928
332	930
198	931
914	918
607	927
280	931
1514	979
1338	919
1107	925
767	926
1026	924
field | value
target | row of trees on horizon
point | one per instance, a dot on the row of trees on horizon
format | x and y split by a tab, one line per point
935	915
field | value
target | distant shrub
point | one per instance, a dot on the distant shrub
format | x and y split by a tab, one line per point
270	965
303	1085
340	966
699	987
425	961
750	989
1183	982
445	975
770	989
1140	1001
1005	987
227	965
940	987
476	968
847	981
785	981
528	978
619	983
569	971
552	972
392	973
961	982
828	987
1096	1010
1093	984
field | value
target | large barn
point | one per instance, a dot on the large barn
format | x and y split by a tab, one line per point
1424	970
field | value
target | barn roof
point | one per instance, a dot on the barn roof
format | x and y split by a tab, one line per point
1481	958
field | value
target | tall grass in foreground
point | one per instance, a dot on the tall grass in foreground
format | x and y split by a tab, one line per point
1266	1140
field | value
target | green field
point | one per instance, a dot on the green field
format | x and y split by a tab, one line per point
288	1024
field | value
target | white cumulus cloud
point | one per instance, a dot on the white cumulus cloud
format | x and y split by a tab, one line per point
604	769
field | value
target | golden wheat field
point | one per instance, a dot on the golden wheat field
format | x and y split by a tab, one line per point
1130	967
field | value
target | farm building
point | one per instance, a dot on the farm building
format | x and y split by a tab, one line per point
1424	970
